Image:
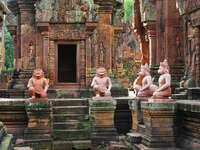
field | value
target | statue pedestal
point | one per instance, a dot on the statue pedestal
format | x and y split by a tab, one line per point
102	118
164	100
39	121
159	122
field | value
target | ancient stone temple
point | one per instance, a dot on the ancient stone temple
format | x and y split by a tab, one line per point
67	39
158	25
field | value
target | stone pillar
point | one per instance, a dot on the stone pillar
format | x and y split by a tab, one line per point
42	43
27	33
196	57
169	35
105	36
90	27
151	32
102	119
39	121
159	123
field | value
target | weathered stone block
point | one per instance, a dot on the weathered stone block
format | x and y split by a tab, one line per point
188	120
39	120
13	115
102	119
159	121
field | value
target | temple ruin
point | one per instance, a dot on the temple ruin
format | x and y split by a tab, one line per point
69	40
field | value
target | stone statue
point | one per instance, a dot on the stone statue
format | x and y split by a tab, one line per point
146	88
164	89
38	86
101	83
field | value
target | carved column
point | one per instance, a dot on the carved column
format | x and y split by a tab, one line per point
196	57
27	32
105	36
42	50
45	51
151	32
90	48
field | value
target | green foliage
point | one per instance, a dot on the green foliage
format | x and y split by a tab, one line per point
9	49
128	8
130	69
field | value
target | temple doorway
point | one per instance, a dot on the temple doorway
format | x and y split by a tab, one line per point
67	66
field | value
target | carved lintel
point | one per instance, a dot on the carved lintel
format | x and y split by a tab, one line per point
106	6
26	5
43	27
90	27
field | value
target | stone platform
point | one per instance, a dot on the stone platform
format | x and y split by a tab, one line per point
60	93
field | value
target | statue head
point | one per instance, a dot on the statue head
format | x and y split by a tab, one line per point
164	67
101	72
38	73
144	70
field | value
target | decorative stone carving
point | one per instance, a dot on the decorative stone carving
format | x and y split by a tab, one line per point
38	86
164	89
101	83
44	10
146	88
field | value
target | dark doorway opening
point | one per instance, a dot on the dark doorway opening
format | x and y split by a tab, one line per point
67	63
123	117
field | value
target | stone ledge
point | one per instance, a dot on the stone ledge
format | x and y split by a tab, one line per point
188	105
159	106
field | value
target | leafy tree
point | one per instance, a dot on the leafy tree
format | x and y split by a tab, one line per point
9	49
128	8
130	69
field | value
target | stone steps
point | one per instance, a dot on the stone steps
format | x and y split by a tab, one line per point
71	123
180	93
70	102
70	109
70	145
67	117
182	96
68	135
141	128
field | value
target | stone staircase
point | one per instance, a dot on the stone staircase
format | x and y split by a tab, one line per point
20	79
180	93
71	124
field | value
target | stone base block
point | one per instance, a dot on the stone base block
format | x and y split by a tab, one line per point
159	120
